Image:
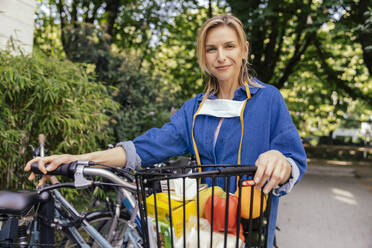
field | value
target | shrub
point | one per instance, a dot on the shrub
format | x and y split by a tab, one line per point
135	121
143	101
143	104
40	94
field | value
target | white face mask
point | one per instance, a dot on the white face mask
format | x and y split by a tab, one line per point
222	108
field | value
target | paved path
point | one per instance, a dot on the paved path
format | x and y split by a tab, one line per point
326	210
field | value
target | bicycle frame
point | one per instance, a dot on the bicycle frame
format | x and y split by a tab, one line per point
9	227
123	195
129	202
73	231
53	207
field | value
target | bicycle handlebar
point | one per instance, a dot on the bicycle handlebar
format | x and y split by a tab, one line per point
70	170
67	170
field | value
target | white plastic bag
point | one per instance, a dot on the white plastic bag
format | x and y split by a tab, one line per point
205	235
176	188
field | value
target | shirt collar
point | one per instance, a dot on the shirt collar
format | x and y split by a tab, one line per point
239	94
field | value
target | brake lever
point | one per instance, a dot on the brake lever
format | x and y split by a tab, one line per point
80	181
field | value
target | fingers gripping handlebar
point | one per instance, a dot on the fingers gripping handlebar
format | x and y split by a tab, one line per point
67	170
79	169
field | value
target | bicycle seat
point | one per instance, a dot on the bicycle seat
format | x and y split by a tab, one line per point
18	203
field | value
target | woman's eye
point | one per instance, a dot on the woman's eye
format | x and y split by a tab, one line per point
211	49
230	46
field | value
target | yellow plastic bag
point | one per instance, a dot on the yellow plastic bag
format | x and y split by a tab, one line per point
162	206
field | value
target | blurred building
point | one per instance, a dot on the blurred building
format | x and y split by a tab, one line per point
364	132
17	23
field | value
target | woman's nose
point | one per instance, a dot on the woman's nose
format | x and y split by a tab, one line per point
221	57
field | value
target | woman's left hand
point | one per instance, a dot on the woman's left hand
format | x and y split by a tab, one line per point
274	165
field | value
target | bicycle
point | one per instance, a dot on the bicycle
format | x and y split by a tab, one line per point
135	229
67	218
29	219
144	229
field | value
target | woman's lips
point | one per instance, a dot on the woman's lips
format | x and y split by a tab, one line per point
222	68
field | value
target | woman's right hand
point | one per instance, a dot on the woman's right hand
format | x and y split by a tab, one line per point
114	157
54	161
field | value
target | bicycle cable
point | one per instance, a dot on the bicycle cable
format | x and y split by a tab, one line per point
112	185
127	173
55	186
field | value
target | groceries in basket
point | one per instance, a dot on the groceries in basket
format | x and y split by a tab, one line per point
176	188
204	195
205	236
164	233
246	200
182	216
178	213
219	213
176	209
191	235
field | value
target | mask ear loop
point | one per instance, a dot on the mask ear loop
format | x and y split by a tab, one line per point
242	126
241	123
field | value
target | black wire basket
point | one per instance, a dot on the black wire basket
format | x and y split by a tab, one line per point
189	206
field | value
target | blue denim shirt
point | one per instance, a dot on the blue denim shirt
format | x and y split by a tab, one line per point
267	126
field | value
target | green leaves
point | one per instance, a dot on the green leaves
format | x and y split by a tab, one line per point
47	95
316	52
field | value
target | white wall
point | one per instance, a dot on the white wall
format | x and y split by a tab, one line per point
17	21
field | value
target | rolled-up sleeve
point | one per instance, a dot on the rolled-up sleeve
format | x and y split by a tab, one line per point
133	160
287	187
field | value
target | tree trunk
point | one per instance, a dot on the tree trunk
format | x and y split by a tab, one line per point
210	11
266	24
365	35
62	19
112	10
74	13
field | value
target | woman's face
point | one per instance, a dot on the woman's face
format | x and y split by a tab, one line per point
224	54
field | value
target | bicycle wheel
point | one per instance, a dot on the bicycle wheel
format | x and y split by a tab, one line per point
101	221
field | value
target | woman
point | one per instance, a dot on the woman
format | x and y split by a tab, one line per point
240	120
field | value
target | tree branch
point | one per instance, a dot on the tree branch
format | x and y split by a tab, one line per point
273	39
300	45
335	77
294	60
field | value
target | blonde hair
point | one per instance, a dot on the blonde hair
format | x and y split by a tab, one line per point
235	24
